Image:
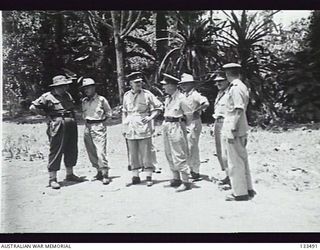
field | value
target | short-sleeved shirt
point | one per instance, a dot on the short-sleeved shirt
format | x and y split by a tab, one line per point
220	104
136	106
96	108
237	98
194	100
176	105
53	104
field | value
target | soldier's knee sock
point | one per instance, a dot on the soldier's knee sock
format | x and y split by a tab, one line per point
185	177
104	172
69	170
53	175
176	175
135	172
149	172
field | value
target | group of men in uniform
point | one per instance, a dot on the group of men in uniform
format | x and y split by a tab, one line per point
182	127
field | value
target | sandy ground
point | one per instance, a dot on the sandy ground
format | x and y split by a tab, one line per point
285	168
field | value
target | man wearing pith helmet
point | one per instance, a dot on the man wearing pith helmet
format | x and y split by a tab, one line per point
140	107
234	133
58	106
96	110
219	114
177	115
197	103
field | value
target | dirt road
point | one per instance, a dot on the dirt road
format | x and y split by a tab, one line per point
285	168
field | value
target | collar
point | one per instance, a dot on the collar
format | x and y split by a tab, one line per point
175	93
190	92
95	96
136	93
55	94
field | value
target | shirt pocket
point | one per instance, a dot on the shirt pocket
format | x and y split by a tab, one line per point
142	106
55	105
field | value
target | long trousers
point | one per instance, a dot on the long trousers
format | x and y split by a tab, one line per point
176	149
95	140
63	138
140	154
193	137
217	135
238	165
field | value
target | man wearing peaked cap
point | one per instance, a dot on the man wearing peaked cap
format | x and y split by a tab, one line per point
234	135
231	66
198	103
95	111
219	114
58	106
140	107
177	114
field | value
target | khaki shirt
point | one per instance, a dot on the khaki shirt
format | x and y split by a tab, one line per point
176	105
53	104
137	106
220	104
96	108
237	98
194	100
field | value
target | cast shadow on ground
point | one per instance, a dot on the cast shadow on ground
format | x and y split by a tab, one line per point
110	177
66	183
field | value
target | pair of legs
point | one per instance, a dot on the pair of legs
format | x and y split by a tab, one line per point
95	140
63	137
140	155
193	136
222	158
238	165
176	151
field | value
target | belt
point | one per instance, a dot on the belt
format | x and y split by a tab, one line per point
174	119
95	121
220	119
62	115
196	116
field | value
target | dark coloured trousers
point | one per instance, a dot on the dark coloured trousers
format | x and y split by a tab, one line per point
63	137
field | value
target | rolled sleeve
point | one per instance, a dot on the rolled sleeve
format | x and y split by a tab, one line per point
107	107
186	109
202	99
155	103
41	102
238	98
124	106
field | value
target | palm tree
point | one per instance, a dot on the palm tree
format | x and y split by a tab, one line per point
192	47
242	41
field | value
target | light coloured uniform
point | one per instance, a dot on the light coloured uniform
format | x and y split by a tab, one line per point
175	135
236	153
95	112
220	106
139	135
194	100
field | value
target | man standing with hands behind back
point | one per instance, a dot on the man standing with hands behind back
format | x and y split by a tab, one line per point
197	103
234	133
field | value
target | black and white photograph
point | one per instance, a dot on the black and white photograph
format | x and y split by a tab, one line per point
160	121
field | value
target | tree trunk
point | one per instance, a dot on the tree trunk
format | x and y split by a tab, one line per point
161	27
119	53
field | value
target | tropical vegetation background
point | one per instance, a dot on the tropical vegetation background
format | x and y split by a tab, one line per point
281	65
